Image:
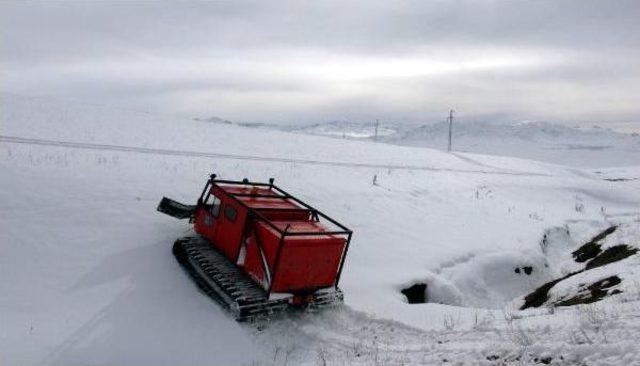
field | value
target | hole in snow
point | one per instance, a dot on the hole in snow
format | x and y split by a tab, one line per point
416	293
526	270
486	280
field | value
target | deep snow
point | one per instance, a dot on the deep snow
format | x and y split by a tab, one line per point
88	276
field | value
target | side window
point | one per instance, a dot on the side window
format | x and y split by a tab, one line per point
210	197
230	212
215	209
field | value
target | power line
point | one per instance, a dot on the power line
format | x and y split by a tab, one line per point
450	119
375	136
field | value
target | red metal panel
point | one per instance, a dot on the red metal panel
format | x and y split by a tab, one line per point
229	232
205	224
286	215
268	240
237	189
253	262
222	232
263	204
308	263
267	202
301	226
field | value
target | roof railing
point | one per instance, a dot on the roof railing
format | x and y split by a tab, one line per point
315	213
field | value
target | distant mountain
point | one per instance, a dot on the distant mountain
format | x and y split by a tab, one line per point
538	140
544	141
538	131
346	129
214	120
339	129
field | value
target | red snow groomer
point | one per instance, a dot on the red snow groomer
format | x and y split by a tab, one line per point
259	249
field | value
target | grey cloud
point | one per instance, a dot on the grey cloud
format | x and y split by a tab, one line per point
179	57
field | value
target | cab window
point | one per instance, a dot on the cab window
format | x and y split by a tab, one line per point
213	203
230	213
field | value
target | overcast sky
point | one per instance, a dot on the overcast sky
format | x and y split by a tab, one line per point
289	61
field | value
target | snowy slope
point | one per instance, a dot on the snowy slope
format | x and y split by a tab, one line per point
594	147
543	141
89	277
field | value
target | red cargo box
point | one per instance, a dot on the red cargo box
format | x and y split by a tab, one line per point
298	263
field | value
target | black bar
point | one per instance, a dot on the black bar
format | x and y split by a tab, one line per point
268	222
257	195
277	262
287	194
265	266
204	191
284	209
317	233
241	183
344	256
310	207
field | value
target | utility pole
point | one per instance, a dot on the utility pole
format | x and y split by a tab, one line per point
450	118
375	135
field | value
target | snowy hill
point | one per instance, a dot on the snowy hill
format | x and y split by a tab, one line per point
560	144
543	141
88	275
346	129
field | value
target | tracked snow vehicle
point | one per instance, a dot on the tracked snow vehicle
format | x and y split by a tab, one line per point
258	249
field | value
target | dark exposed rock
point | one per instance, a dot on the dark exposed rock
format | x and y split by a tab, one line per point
619	179
592	248
594	292
596	257
526	269
546	360
612	254
586	252
540	295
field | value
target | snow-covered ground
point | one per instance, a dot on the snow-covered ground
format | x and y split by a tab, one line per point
88	276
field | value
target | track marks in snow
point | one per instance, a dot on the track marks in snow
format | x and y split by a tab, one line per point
342	336
463	259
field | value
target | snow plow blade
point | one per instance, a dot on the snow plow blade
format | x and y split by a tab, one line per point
176	209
